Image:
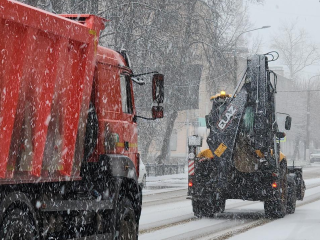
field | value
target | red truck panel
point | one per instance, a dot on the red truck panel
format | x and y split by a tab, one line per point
46	73
112	120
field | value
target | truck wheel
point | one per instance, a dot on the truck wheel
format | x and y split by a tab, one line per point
126	225
17	225
277	208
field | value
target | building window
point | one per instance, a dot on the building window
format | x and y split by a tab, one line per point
173	141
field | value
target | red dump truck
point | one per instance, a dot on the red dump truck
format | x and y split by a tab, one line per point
68	151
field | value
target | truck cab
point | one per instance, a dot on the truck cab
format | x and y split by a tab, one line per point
69	161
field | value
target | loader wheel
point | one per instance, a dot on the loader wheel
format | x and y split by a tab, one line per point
17	225
277	208
292	197
196	209
203	209
208	208
126	225
220	206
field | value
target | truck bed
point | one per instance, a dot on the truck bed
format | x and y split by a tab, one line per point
46	74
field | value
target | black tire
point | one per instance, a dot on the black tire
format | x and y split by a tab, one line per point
222	206
277	207
292	197
17	225
196	209
126	225
208	208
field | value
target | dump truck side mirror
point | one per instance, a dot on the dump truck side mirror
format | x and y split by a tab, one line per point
157	95
288	123
157	112
158	88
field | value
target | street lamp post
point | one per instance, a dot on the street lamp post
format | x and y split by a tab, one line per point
307	143
235	51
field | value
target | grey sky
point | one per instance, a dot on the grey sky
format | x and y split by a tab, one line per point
274	12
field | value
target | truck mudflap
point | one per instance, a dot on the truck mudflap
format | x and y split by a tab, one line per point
95	237
76	205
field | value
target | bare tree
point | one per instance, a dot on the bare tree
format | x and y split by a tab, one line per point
173	37
297	52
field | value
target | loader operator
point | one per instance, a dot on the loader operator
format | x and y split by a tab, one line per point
218	100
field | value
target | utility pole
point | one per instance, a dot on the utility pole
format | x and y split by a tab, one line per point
307	142
235	72
307	152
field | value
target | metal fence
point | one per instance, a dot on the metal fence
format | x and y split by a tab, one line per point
164	169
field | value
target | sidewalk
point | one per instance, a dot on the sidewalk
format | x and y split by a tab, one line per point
166	183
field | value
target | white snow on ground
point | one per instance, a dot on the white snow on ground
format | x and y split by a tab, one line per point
179	232
164	211
303	224
161	184
166	183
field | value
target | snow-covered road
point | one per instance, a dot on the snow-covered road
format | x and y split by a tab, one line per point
167	214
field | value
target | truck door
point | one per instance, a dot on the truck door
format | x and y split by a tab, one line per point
130	137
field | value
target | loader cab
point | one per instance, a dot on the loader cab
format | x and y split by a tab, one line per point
218	101
218	105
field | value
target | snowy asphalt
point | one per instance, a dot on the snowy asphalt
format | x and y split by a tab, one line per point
167	214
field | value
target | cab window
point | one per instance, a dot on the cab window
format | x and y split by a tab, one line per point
126	99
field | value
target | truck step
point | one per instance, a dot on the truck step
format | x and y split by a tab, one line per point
105	236
75	205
